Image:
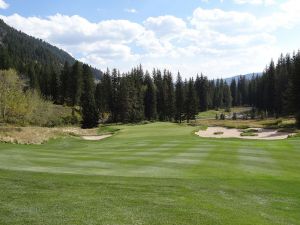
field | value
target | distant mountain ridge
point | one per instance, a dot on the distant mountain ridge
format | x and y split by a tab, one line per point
248	77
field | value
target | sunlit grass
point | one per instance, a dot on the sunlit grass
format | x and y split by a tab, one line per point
158	173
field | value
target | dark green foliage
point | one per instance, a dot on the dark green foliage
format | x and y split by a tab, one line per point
233	90
169	108
113	104
234	117
222	116
180	99
276	92
190	101
298	119
242	91
150	98
160	93
89	111
65	84
104	93
201	85
227	99
75	83
125	107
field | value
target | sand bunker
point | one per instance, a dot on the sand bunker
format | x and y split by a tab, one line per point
96	137
262	134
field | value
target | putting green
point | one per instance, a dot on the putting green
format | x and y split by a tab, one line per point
158	173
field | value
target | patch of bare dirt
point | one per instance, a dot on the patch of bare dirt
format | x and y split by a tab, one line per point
96	137
262	134
39	135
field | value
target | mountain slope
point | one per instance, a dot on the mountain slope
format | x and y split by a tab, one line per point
248	77
19	50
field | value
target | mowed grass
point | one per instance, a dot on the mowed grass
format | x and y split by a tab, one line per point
157	173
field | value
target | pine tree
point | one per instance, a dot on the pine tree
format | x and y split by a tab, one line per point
115	81
296	87
270	88
33	78
201	86
233	90
138	79
55	86
150	99
89	111
190	101
169	96
227	99
160	94
179	99
65	83
75	84
125	104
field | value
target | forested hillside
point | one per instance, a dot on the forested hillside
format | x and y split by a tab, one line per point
33	58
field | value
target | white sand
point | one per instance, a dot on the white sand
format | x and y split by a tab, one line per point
263	134
96	137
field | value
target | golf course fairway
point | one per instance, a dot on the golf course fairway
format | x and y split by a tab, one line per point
156	174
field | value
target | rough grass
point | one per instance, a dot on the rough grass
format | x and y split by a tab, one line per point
249	134
211	114
157	174
107	129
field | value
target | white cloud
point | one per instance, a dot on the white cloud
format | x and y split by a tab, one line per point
213	41
255	2
130	10
165	25
3	4
217	18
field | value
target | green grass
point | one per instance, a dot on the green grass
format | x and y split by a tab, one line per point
153	174
249	133
106	129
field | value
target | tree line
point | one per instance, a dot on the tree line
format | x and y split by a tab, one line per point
140	95
275	93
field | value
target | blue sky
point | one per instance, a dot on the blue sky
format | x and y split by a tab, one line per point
217	37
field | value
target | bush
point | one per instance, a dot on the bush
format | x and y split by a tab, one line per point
222	116
253	114
234	117
251	130
298	120
28	107
248	134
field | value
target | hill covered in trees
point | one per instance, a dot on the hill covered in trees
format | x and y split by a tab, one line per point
247	76
31	56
